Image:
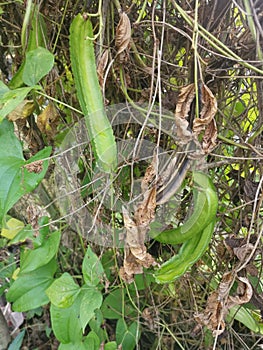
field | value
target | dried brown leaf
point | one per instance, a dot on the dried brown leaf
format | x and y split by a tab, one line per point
243	252
135	255
220	302
125	276
123	34
22	111
183	133
145	212
133	238
101	66
225	285
213	316
243	294
210	136
185	99
47	121
208	111
150	174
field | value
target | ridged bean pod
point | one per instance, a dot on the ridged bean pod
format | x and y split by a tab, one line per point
89	94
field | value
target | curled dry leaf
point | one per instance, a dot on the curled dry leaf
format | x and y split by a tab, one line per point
182	131
47	121
185	99
220	302
135	254
182	110
225	285
123	34
145	212
243	294
210	136
101	66
209	108
213	316
150	174
243	252
205	122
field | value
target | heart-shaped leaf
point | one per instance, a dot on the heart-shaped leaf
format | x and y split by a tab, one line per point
28	291
38	63
17	176
63	291
92	268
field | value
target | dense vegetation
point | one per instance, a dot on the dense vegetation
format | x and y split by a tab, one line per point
137	225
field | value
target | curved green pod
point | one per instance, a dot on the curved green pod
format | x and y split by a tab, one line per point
190	252
205	208
89	94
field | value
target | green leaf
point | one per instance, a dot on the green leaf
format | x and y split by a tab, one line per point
95	325
244	315
31	180
17	342
12	98
15	179
66	322
92	268
116	305
63	291
38	63
92	341
126	336
3	89
91	300
71	346
33	259
7	138
28	291
111	346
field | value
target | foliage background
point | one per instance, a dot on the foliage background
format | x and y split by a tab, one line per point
232	69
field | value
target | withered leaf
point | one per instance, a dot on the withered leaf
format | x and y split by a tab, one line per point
209	108
123	33
22	111
47	121
150	174
210	136
205	122
182	131
243	294
225	285
185	99
101	66
145	212
243	252
132	232
220	302
213	316
135	254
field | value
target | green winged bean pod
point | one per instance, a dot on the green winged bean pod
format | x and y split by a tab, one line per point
89	94
205	208
190	252
195	233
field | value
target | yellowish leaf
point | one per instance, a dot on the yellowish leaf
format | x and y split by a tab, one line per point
13	227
